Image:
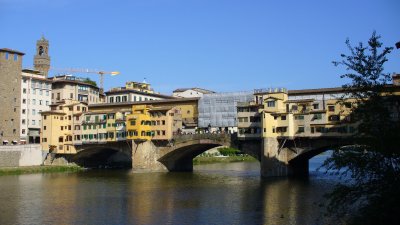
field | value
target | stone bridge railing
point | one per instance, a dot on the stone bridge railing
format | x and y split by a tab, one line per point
220	138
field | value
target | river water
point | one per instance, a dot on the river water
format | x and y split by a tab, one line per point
222	193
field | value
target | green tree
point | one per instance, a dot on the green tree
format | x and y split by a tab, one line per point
371	168
90	81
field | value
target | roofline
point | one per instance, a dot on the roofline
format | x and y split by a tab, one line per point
11	51
317	91
144	102
139	92
73	82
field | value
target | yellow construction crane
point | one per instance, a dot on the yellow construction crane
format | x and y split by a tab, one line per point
80	70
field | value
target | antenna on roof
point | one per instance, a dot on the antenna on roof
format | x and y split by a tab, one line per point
144	81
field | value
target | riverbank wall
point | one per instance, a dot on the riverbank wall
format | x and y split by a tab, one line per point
20	155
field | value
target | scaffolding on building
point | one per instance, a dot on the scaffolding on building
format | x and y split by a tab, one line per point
219	110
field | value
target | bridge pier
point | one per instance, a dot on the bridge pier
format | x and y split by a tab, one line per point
273	161
145	155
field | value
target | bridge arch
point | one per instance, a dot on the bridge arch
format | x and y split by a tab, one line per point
179	157
103	155
298	160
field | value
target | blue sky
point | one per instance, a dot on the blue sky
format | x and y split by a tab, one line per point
222	45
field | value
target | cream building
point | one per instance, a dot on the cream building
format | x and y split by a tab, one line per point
190	92
35	98
68	87
134	92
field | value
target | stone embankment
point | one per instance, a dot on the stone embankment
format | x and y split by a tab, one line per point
20	155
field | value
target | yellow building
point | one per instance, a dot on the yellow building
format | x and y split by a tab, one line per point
139	123
94	128
61	129
305	113
153	123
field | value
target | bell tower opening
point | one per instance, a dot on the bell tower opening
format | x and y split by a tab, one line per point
42	58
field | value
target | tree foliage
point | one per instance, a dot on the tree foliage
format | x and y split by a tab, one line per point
90	81
371	168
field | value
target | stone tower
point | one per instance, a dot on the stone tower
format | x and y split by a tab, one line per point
42	58
10	94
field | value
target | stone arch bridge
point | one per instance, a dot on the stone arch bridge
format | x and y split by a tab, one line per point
278	156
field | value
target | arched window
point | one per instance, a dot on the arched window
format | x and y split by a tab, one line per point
41	51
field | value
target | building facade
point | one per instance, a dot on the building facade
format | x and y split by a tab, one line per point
68	87
190	92
218	111
10	95
61	127
134	92
35	98
153	123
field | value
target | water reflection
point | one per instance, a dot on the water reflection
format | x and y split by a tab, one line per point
230	193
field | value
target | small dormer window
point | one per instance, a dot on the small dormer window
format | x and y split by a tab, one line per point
271	103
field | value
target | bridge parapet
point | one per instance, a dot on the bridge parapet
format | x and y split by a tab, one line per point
220	138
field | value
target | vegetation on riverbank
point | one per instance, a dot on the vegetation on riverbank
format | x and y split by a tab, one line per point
206	160
38	169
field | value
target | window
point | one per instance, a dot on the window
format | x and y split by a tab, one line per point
23	111
15	57
47	102
58	96
270	103
334	118
23	131
300	130
331	108
118	99
24	90
6	55
111	99
34	91
163	132
44	117
33	122
316	106
124	98
24	101
281	129
62	127
283	117
23	121
47	93
301	117
71	95
33	101
317	116
40	92
40	102
33	111
163	122
133	122
44	139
